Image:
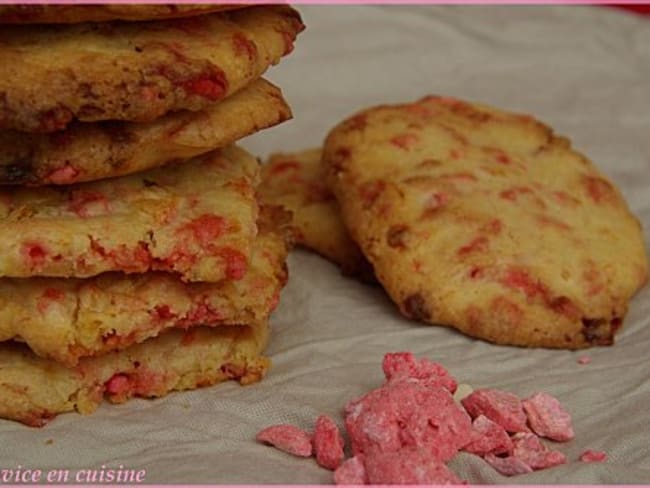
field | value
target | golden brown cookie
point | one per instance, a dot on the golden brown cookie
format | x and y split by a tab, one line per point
488	222
297	182
92	151
51	75
195	219
72	14
33	390
68	319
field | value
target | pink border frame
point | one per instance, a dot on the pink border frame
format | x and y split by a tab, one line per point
343	2
322	486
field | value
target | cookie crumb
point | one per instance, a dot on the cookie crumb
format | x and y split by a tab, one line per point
287	438
351	472
49	442
489	437
400	365
591	456
548	418
405	431
508	466
499	406
408	466
530	449
328	443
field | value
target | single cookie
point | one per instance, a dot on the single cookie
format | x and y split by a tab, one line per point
195	219
67	319
487	222
297	182
93	151
34	390
72	14
51	75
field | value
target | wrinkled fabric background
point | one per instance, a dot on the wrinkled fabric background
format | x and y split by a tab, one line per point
585	71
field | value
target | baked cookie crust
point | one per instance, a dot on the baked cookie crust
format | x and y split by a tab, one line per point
92	151
34	390
51	75
196	220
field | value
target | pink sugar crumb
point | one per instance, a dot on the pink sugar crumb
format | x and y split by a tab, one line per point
530	449
328	443
144	383
34	253
408	413
405	141
591	456
202	313
212	87
351	472
65	175
520	278
584	360
287	438
408	466
206	229
548	418
162	313
499	406
236	263
118	385
490	437
508	466
405	365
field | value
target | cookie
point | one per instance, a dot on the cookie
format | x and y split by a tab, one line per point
488	222
297	182
33	390
93	151
68	319
195	219
72	14
51	75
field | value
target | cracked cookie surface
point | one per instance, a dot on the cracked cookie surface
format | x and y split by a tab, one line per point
196	220
69	319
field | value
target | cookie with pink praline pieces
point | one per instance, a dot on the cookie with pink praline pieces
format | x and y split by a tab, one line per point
487	221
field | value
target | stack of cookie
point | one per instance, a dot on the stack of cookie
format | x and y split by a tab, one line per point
135	257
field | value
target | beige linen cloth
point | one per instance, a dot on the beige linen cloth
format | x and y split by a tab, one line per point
585	71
